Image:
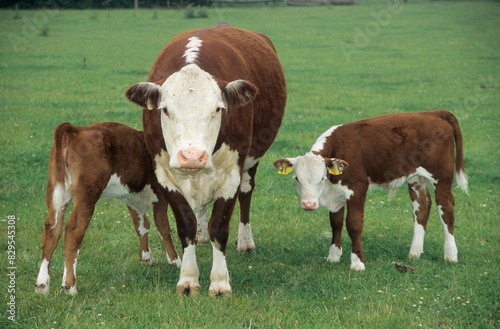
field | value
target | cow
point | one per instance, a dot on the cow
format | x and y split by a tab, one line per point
212	107
101	161
384	151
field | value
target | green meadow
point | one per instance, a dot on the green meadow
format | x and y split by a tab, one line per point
342	63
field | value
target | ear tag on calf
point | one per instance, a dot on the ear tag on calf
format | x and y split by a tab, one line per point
286	169
334	170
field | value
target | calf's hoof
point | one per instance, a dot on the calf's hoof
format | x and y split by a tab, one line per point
148	261
42	288
70	290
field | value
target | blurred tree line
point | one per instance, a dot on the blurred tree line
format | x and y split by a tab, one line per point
99	4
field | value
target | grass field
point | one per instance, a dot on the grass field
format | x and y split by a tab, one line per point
342	64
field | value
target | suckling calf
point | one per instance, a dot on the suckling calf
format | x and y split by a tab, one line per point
101	161
386	151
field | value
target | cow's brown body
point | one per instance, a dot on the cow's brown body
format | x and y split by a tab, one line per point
387	151
104	160
252	114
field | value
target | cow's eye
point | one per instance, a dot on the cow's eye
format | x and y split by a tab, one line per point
164	110
296	179
218	110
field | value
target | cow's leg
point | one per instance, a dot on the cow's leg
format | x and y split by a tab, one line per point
161	220
354	225
52	233
202	226
188	283
76	226
445	203
336	222
245	242
218	228
421	200
141	225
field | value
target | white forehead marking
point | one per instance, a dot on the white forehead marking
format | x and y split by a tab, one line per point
192	49
310	165
320	142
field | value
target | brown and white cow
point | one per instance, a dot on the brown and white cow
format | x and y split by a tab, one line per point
211	109
101	161
385	151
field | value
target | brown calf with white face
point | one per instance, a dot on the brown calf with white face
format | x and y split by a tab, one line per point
101	161
386	151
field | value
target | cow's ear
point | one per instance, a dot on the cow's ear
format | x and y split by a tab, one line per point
284	166
239	92
335	166
144	94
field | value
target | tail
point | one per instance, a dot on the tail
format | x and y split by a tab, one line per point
63	135
460	175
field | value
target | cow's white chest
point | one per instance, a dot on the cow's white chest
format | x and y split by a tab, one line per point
334	196
222	181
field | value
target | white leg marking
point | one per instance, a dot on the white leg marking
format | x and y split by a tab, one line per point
245	183
189	269
142	230
147	258
450	248
60	198
245	238
219	277
43	279
417	244
356	263
334	254
176	262
202	225
72	290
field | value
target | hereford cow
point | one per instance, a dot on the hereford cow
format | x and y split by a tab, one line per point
211	109
385	151
101	161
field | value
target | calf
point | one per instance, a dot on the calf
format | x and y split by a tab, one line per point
101	161
385	151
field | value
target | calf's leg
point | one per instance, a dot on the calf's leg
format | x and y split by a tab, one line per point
445	206
336	222
421	201
163	226
354	225
52	233
141	225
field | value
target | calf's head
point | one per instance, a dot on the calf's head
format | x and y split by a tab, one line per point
311	173
191	102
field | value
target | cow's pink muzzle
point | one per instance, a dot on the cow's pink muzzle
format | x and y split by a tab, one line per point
192	160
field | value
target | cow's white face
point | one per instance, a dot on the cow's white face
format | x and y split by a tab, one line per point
191	102
191	106
311	171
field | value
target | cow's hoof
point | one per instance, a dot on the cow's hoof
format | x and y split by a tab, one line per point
148	262
42	288
414	256
220	293
249	249
70	290
187	290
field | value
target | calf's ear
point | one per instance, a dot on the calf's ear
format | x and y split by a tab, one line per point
144	94
239	92
284	166
335	166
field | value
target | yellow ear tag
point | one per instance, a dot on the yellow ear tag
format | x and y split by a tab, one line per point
286	169
334	170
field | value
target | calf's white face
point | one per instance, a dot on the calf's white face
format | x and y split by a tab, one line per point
311	175
191	102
